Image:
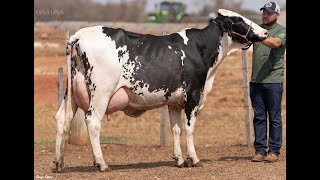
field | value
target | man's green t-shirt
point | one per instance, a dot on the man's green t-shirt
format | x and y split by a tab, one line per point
268	63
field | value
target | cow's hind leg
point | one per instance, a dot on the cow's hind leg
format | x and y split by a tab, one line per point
63	116
100	97
93	118
176	127
101	73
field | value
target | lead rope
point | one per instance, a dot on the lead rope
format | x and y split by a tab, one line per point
243	36
232	32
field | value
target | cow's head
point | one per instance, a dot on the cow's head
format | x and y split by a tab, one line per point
239	28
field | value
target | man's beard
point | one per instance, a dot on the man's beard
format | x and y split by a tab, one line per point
270	22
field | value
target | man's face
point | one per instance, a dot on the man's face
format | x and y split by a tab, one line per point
269	18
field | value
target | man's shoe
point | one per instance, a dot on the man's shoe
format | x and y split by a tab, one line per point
258	158
271	158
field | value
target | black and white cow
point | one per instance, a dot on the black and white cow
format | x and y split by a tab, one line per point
114	69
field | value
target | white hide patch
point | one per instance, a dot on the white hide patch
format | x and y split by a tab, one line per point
101	46
124	49
195	109
151	97
182	57
148	98
184	35
169	47
184	93
232	46
256	28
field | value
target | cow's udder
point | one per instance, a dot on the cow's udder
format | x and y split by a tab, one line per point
119	100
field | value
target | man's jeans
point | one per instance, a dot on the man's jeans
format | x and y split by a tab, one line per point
266	100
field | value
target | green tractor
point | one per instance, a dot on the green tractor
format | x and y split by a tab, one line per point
170	11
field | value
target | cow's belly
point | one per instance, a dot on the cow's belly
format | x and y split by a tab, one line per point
151	100
124	98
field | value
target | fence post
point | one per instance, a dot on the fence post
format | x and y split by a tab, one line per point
246	98
163	126
164	117
60	86
78	128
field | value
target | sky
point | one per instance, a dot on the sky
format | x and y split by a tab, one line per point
194	6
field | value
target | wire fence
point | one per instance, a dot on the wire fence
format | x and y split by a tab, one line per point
233	106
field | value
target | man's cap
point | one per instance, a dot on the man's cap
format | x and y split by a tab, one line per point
271	7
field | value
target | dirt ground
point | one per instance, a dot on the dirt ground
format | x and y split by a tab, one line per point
131	145
154	162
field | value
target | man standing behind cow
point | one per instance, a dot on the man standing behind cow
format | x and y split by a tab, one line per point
266	86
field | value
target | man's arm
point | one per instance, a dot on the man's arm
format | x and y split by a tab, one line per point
272	42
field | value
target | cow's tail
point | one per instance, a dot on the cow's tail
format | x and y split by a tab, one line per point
69	113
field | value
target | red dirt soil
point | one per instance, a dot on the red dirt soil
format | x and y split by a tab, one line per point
45	88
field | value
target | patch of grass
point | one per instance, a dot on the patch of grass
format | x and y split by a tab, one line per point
44	121
113	139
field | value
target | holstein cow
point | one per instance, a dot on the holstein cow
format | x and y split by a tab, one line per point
114	69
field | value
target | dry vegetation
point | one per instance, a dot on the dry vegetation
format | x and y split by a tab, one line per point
220	134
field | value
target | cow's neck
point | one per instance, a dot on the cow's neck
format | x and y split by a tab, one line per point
226	47
220	45
215	46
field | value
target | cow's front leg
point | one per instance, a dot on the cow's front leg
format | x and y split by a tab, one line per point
192	158
192	99
176	126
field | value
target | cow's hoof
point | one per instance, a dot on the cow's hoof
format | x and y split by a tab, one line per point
177	163
102	168
187	163
59	166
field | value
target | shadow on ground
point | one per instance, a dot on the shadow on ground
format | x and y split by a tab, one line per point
147	165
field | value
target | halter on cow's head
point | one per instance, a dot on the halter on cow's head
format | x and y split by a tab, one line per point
239	28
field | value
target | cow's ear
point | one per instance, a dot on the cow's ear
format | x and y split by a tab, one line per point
224	21
228	23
